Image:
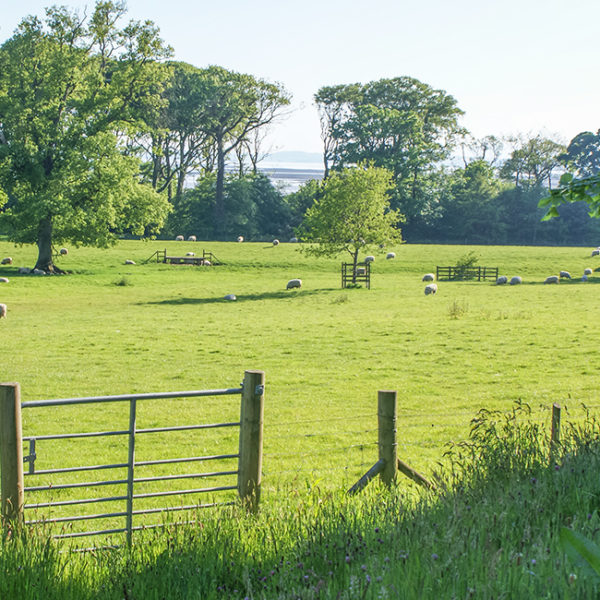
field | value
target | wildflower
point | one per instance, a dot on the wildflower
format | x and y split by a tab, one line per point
434	556
572	577
363	567
348	559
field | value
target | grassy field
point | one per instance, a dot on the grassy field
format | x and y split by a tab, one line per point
110	328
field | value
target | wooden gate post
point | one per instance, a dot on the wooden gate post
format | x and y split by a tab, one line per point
555	431
11	453
251	438
388	443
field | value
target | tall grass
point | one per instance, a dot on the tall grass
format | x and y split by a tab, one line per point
489	531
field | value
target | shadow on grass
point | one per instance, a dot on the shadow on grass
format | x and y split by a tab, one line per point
279	295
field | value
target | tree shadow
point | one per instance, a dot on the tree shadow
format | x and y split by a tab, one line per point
279	295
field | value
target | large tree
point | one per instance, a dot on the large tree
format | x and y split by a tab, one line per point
71	90
400	124
582	156
351	214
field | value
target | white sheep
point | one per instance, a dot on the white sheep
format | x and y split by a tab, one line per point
7	261
588	271
230	297
369	259
63	252
294	240
207	263
275	242
565	275
240	238
361	271
129	262
3	311
24	270
552	279
192	238
190	254
428	277
595	252
179	238
3	280
38	272
391	255
430	289
293	283
516	280
584	278
502	280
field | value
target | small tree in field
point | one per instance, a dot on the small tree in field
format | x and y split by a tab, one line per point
351	213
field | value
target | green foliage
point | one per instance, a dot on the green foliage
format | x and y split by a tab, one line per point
583	154
581	550
351	214
464	263
572	189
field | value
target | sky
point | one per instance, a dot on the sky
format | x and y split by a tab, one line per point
513	66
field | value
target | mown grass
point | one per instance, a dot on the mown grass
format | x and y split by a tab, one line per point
112	328
489	531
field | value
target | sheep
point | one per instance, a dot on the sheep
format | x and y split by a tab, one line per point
190	254
7	261
294	240
369	259
588	271
361	271
596	252
191	238
129	262
207	263
240	238
428	277
502	280
63	252
179	238
275	242
38	272
391	255
3	280
552	279
430	289
3	311
24	270
293	283
565	275
230	297
516	280
584	278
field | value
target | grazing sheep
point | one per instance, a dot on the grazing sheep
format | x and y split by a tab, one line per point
516	280
584	278
430	289
7	261
293	283
207	263
192	238
24	270
129	262
361	271
179	238
596	252
3	311
190	254
240	238
369	259
230	297
63	252
38	272
565	275
3	280
588	271
502	280
391	255
275	242
428	277
294	240
552	279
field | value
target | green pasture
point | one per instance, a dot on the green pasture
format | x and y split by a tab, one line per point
111	328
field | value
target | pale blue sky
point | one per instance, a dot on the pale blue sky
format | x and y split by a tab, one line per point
514	66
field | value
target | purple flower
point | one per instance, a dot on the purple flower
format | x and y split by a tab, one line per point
434	556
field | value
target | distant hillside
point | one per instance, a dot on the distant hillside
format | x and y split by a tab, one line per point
292	156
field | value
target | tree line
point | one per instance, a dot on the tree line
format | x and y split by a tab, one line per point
102	133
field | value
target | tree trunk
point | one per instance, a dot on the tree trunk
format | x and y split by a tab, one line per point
44	244
354	263
219	211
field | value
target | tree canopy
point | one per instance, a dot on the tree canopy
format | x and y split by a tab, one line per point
71	92
351	213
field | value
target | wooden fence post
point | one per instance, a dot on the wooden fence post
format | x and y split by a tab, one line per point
11	453
388	443
251	438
